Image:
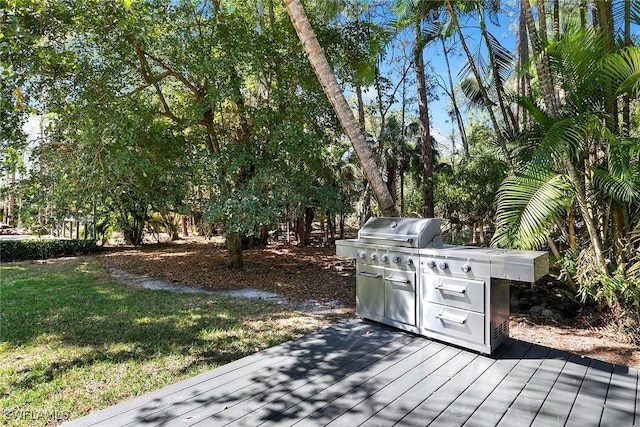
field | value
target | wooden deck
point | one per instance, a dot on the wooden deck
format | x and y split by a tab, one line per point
361	373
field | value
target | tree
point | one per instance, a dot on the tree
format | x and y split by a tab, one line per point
330	85
466	188
120	75
414	14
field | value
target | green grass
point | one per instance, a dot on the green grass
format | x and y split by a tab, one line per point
72	341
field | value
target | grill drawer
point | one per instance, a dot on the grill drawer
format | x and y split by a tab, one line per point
454	292
466	325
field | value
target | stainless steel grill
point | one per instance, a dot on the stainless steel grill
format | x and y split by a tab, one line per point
406	277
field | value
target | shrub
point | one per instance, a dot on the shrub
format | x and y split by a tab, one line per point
19	250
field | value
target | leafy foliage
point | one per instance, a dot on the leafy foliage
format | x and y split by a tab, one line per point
19	250
531	202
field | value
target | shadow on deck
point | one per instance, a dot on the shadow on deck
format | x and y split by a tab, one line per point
362	373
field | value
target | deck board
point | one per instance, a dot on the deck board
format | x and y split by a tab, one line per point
561	396
471	399
428	385
288	382
428	360
254	383
622	397
363	373
589	404
497	403
392	383
527	404
371	385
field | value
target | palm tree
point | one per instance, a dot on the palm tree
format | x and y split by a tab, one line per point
573	156
499	60
331	88
414	13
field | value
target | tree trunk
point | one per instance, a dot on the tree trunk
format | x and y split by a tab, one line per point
583	204
626	110
424	126
571	229
556	17
331	88
524	78
309	215
185	229
331	228
392	174
456	110
12	201
361	116
605	27
234	250
300	229
543	66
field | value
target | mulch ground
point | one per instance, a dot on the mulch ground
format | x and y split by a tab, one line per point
297	274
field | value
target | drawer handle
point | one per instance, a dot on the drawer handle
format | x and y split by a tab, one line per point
451	319
373	275
393	279
451	289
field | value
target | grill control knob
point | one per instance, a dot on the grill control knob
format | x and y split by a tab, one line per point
373	256
408	261
362	255
384	258
396	259
431	264
466	268
443	265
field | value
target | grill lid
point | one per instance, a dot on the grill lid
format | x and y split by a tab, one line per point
405	232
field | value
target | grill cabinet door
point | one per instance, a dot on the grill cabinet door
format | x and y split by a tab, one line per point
369	290
400	295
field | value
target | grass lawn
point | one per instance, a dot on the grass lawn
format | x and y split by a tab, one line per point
73	341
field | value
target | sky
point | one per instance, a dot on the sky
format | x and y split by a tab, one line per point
505	32
441	125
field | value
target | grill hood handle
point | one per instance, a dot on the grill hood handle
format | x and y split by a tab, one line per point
390	239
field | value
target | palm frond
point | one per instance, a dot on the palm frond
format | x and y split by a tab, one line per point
505	59
481	64
471	90
431	31
575	58
623	69
621	180
529	203
618	188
